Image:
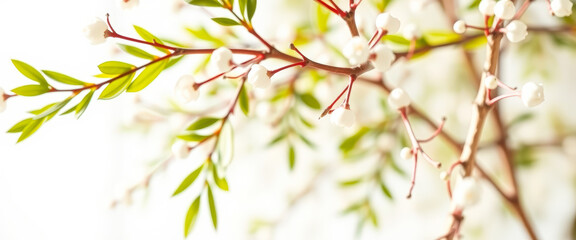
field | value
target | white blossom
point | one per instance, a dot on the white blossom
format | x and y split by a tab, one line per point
258	76
385	21
343	117
459	26
221	58
95	31
410	31
444	176
486	7
516	31
406	153
356	50
185	91
532	94
561	8
2	101
466	193
491	82
128	4
398	99
180	149
504	9
386	142
383	57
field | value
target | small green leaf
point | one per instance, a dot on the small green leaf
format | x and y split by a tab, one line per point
244	101
191	216
30	72
192	137
203	34
147	76
385	190
242	4
173	61
148	37
116	87
136	52
225	21
220	182
310	101
322	16
521	118
350	183
250	9
203	123
18	127
70	110
205	3
473	4
43	109
349	143
306	141
291	157
188	180
31	90
53	109
63	78
281	136
81	107
115	67
212	208
31	128
372	216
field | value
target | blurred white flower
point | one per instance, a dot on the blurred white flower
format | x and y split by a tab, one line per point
561	8
343	117
444	176
2	101
95	31
406	153
532	94
185	91
128	4
486	7
383	57
504	9
491	82
180	149
258	76
459	26
220	59
466	193
398	99
356	50
386	142
410	31
516	31
385	21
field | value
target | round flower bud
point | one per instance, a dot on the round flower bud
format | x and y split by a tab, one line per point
561	8
516	31
398	99
406	153
410	31
95	31
486	7
459	26
2	101
221	58
491	82
342	117
128	4
258	76
180	149
532	94
466	193
185	91
504	9
387	22
356	50
383	57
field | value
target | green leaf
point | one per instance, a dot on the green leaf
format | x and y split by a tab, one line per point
70	110
203	34
148	37
281	136
115	67
306	141
385	190
244	101
30	72
397	40
43	109
136	52
116	87
18	127
291	157
203	123
350	183
59	77
212	208
310	101
372	216
31	128
220	182
192	137
250	9
204	3
31	90
242	4
381	5
349	143
441	37
322	16
147	76
188	180
225	21
521	118
473	4
173	61
81	107
191	216
53	109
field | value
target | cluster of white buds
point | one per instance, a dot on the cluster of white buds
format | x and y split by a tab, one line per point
383	57
459	27
185	91
258	76
95	31
398	99
486	7
491	82
2	101
356	50
504	9
406	153
180	149
466	193
128	4
342	117
387	22
561	8
532	94
516	31
221	59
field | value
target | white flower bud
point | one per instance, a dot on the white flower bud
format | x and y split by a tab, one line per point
258	76
221	58
532	94
95	31
185	91
383	57
406	153
342	117
516	31
491	82
504	9
466	193
128	4
410	31
398	99
561	8
385	21
180	149
356	50
444	176
486	7
459	26
2	101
